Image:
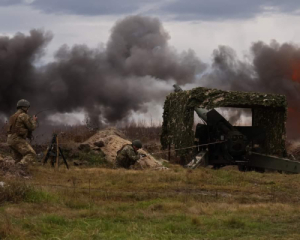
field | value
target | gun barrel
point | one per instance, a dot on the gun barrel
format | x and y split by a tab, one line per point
202	113
177	88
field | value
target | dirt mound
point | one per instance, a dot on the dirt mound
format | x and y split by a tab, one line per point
9	169
111	141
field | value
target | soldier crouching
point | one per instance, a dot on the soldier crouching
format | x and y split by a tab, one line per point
20	127
128	155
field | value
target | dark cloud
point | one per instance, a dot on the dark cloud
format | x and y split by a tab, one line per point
9	2
227	9
182	10
87	7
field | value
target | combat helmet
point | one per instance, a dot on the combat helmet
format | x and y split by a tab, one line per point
137	143
23	103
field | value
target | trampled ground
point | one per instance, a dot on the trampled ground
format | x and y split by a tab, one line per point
177	203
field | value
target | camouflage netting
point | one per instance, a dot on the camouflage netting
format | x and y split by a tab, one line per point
268	111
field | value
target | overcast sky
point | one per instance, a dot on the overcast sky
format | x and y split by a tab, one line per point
200	25
197	24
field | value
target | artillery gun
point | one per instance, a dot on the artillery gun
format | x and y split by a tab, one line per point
219	144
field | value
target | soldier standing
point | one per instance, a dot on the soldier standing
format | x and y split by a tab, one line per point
20	127
128	154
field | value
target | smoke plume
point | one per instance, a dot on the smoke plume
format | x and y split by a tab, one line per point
136	66
19	77
108	84
270	68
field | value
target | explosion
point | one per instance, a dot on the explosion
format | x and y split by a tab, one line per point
137	67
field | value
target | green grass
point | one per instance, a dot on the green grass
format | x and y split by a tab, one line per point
35	195
150	223
176	204
94	159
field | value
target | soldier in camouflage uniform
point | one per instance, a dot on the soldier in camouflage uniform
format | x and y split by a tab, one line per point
20	127
128	155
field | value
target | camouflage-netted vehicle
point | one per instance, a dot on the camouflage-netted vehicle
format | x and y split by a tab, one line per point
216	142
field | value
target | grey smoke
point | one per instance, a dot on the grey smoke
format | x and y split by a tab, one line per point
136	67
107	83
269	69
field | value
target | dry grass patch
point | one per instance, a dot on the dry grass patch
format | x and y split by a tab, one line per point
243	188
6	227
14	192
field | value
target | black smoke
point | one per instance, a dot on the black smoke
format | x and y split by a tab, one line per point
19	77
106	83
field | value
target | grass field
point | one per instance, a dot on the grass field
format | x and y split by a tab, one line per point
104	203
